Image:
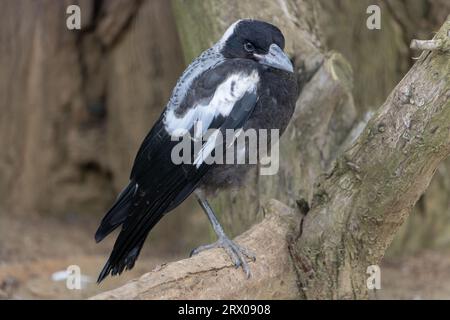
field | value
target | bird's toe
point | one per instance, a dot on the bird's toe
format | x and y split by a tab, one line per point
199	249
248	253
238	255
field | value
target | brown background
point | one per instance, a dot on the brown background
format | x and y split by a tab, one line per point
75	106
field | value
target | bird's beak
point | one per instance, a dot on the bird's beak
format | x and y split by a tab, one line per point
275	58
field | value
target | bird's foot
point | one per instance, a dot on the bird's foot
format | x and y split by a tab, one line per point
237	253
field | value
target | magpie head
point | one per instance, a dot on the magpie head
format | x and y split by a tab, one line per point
256	40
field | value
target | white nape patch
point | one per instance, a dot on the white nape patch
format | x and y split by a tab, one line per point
225	97
228	33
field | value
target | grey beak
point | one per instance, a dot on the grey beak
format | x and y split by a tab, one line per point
275	58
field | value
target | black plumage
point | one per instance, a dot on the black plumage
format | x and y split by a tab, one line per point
244	81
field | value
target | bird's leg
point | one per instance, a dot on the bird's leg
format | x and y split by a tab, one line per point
235	251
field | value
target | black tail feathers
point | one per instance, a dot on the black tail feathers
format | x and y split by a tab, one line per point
120	266
118	212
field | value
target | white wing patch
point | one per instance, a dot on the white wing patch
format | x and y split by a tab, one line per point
227	94
225	97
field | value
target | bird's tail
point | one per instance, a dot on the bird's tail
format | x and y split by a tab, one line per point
117	214
129	244
139	211
119	267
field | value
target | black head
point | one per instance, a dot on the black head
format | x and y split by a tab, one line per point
256	40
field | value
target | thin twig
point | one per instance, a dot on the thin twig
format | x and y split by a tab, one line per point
432	45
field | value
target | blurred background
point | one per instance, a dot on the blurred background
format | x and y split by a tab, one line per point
76	104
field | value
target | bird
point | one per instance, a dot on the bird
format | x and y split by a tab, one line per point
244	81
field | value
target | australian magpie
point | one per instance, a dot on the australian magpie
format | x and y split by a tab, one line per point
244	81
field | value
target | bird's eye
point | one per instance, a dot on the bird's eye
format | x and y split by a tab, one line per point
249	47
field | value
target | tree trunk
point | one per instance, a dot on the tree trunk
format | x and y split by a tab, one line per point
340	23
76	104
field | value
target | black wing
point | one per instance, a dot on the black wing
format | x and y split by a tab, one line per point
157	185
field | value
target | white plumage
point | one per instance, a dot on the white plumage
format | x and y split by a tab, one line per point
225	97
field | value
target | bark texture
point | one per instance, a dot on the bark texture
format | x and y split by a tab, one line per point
359	206
76	104
340	24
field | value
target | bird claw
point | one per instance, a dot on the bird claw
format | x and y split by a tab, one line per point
237	253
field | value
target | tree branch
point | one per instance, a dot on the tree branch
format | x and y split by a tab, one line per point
359	206
426	44
211	275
